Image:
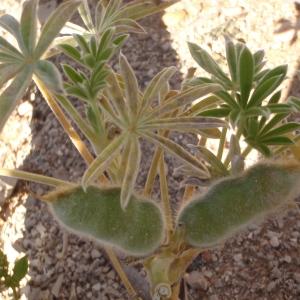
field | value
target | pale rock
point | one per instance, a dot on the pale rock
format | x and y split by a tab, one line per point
274	241
95	254
57	285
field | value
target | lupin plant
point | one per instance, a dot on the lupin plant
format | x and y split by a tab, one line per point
104	206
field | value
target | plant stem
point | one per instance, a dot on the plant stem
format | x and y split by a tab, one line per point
152	171
35	177
86	155
246	151
165	196
75	138
75	116
228	157
222	143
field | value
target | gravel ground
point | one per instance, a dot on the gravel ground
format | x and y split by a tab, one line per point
261	263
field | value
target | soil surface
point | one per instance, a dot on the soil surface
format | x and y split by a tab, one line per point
261	263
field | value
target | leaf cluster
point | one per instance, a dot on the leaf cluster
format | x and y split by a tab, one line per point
19	271
250	100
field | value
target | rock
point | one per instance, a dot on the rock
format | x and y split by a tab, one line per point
95	254
96	287
57	285
196	280
271	286
274	241
297	277
24	108
238	257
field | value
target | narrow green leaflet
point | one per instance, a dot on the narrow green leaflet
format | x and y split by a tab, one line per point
277	140
207	63
246	73
131	171
178	151
185	98
131	86
231	58
154	87
139	9
286	128
212	159
13	93
7	48
85	15
20	269
54	24
264	89
8	71
180	123
11	25
49	74
101	161
28	24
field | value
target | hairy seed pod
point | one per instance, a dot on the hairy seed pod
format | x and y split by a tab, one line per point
232	203
97	213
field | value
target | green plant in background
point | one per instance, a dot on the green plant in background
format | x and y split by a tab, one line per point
118	115
12	281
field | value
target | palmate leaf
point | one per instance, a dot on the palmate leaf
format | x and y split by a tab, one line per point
54	24
28	60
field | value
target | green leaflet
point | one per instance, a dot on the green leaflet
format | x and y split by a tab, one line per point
28	25
50	75
13	93
54	24
97	213
234	202
246	73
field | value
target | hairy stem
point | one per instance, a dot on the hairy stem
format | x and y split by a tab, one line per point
35	177
165	197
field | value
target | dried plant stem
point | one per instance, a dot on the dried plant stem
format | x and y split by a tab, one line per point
165	196
118	267
75	138
188	193
175	291
87	156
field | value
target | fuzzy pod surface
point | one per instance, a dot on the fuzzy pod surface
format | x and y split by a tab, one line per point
97	213
232	203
